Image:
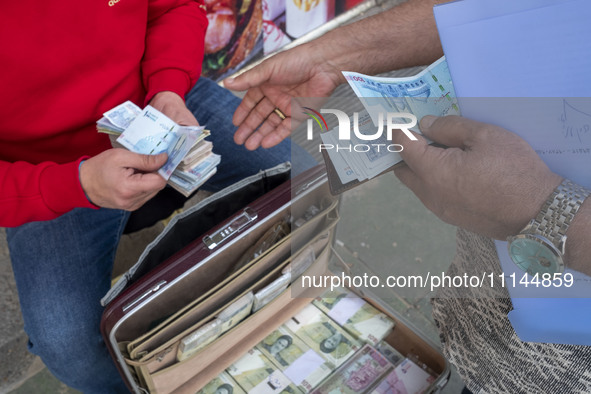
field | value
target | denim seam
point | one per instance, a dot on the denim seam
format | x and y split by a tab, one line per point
117	236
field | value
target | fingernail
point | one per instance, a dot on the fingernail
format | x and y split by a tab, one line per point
229	80
427	121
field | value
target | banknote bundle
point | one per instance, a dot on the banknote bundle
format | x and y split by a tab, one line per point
297	357
256	374
223	384
407	377
190	158
430	92
323	335
391	354
355	315
271	291
358	375
268	240
209	332
301	364
300	263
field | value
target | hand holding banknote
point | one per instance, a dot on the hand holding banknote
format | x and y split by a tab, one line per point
489	180
173	106
191	161
120	179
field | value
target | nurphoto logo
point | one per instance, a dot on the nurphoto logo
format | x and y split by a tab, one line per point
391	121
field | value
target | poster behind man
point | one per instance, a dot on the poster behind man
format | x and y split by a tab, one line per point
240	31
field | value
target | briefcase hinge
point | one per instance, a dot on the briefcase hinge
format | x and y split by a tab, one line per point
246	217
308	185
145	294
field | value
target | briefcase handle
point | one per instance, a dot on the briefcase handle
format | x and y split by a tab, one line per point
244	219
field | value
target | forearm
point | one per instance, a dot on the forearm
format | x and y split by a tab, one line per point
36	192
578	242
403	36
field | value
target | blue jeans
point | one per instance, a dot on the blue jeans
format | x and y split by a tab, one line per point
63	267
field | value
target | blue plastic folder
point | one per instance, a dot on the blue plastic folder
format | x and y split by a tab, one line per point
525	65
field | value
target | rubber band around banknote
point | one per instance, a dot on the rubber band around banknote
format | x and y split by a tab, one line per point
279	113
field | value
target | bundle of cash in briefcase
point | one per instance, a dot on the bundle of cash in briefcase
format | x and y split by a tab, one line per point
403	101
311	352
190	162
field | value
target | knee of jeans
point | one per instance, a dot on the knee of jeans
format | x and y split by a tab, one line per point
72	354
80	360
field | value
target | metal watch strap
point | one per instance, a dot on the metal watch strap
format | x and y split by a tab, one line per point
559	210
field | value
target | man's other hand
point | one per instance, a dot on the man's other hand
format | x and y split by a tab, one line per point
489	180
302	72
120	179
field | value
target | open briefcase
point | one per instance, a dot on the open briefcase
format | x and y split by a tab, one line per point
207	258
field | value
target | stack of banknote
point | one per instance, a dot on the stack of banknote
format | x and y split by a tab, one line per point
358	375
407	377
229	317
256	374
300	363
223	384
355	315
311	353
190	162
430	92
323	335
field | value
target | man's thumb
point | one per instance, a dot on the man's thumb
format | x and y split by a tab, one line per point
151	163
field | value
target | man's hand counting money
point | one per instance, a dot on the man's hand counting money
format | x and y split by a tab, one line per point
173	106
120	179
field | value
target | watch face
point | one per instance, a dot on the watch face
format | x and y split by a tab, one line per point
534	255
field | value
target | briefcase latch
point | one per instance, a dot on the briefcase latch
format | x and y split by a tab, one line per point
246	217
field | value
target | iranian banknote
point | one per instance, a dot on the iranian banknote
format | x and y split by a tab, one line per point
358	375
301	364
352	163
187	167
355	315
186	182
210	331
121	116
430	92
271	291
199	338
391	354
223	384
256	374
407	377
323	335
236	312
152	132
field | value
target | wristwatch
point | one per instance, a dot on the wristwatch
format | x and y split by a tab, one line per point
539	248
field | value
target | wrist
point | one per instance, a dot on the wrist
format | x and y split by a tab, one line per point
541	247
83	179
538	197
166	96
578	241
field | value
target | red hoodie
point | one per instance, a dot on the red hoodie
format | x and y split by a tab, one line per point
63	63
